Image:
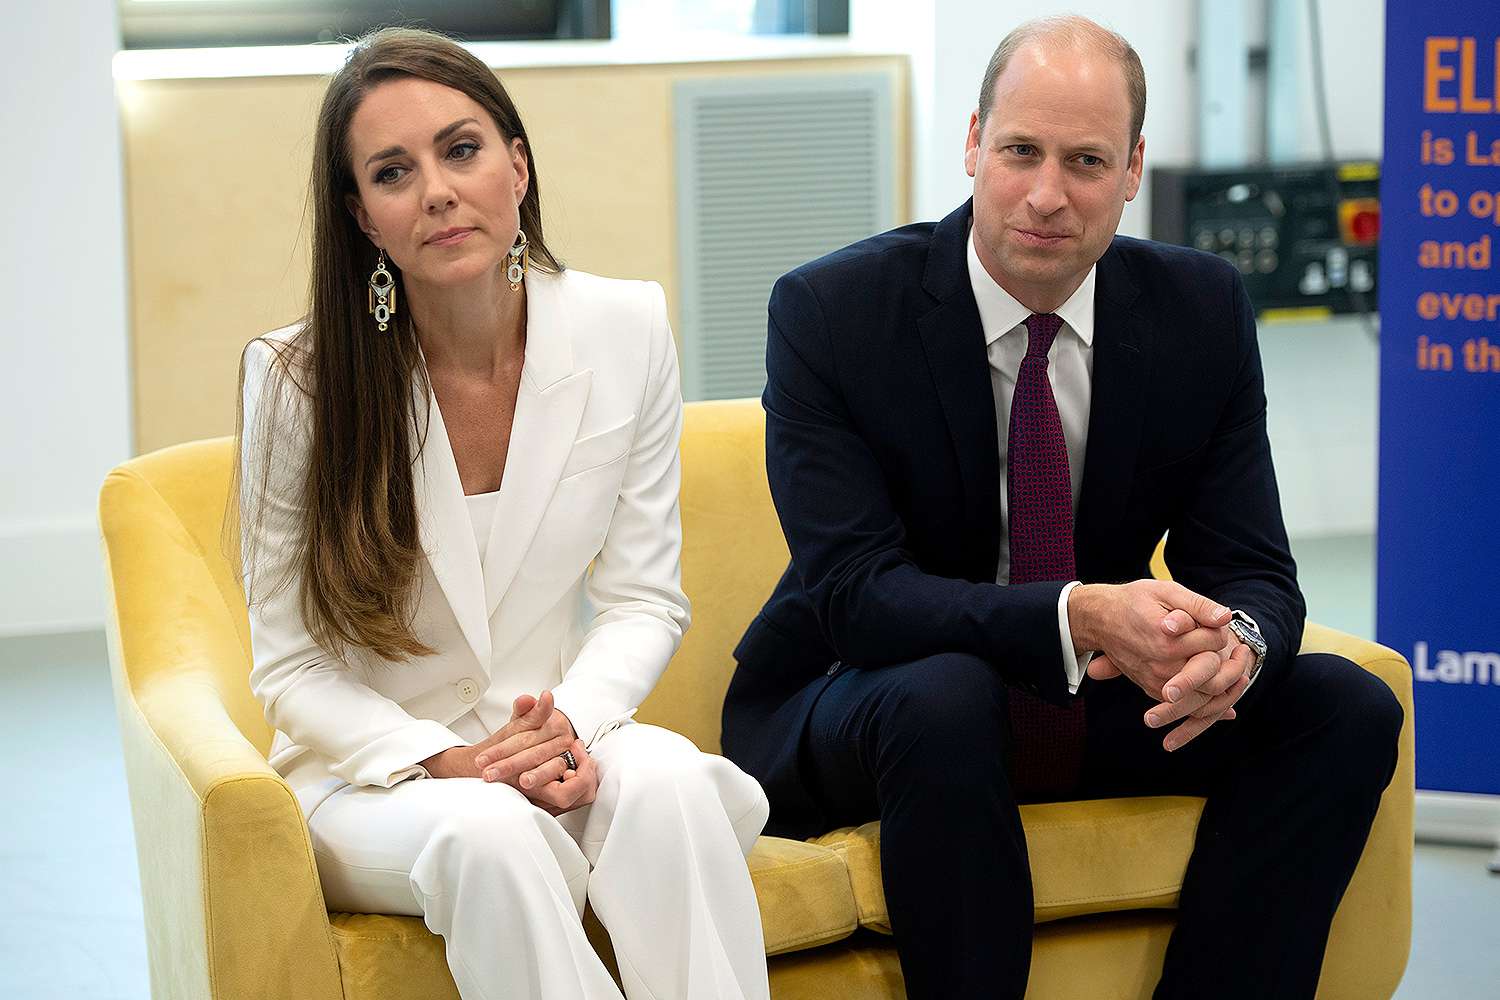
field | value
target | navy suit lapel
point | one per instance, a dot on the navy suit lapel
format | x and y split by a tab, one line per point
953	341
1122	345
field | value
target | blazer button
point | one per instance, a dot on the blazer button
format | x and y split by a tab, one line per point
468	691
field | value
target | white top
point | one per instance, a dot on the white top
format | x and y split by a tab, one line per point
482	515
1070	369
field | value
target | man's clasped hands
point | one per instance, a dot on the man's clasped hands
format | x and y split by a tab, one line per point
527	754
1173	643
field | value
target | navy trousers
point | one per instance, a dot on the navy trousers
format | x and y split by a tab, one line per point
1292	787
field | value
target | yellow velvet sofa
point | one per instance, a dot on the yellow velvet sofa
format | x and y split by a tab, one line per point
232	901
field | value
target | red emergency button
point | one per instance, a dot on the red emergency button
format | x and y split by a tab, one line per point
1359	221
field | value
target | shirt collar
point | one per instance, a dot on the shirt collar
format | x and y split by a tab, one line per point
1000	313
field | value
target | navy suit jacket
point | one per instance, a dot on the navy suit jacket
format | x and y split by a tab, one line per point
883	458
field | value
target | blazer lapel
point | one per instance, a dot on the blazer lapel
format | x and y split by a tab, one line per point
953	340
549	409
1122	343
446	532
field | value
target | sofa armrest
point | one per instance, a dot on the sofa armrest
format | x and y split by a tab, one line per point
231	893
1382	661
1379	895
230	889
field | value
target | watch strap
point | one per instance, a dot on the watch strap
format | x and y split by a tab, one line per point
1249	633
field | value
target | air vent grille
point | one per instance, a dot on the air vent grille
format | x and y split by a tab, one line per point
771	174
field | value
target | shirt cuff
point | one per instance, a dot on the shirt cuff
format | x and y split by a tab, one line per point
1074	664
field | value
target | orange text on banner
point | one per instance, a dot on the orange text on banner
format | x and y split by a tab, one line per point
1438	70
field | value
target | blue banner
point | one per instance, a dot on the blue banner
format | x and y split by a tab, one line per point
1438	601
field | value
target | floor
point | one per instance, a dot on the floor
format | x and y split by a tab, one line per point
72	926
72	929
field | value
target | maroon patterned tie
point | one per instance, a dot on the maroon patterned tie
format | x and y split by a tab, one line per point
1048	752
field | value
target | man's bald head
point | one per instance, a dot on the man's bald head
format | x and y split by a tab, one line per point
1077	32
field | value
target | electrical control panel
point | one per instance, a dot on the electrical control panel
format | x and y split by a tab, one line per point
1304	237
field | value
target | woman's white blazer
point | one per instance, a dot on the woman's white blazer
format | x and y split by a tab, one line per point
580	590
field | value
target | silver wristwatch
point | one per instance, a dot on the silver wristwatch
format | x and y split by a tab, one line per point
1245	629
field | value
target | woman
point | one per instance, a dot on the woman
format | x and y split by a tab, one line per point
461	542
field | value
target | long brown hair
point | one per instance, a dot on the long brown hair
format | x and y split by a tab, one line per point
358	546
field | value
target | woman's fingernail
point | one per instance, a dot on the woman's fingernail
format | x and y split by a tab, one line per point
1153	721
1173	694
1169	625
527	781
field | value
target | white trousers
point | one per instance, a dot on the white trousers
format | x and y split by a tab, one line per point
660	854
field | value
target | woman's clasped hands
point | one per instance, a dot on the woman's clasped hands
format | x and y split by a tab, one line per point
527	754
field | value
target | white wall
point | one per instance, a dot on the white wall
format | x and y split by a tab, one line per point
1323	434
950	41
1354	69
64	386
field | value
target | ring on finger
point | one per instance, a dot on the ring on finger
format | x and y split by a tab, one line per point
570	760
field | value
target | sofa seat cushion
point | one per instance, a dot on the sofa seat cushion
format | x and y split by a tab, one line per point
390	958
803	889
805	894
1093	856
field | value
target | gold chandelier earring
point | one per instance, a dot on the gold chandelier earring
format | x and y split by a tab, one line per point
520	259
382	293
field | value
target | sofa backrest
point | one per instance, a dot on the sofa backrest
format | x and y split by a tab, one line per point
733	553
163	515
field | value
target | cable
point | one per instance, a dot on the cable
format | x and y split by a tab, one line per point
1325	133
1320	87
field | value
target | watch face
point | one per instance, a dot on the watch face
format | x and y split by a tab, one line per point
1249	637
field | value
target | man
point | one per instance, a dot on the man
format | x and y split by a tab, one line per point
965	420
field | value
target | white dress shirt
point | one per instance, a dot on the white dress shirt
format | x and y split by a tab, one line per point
1070	369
